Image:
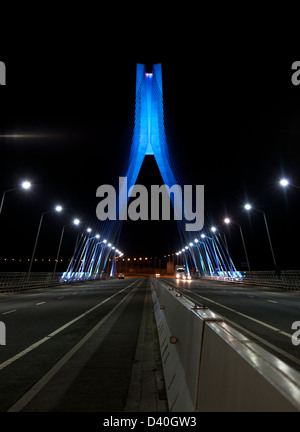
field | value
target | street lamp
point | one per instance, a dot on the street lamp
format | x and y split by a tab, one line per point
58	209
228	221
214	230
285	182
24	185
60	242
249	207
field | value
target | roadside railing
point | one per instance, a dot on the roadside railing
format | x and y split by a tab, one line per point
288	279
19	281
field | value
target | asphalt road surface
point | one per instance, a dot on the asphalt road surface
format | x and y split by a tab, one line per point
73	348
265	314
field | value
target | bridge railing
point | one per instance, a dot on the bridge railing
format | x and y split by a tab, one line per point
288	279
19	281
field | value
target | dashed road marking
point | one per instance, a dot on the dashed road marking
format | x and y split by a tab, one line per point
8	312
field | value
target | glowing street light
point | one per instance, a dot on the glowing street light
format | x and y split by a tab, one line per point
24	185
60	242
228	221
285	183
249	207
214	230
58	209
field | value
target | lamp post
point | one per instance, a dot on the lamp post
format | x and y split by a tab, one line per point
249	207
58	209
86	252
224	241
60	242
214	247
24	185
228	221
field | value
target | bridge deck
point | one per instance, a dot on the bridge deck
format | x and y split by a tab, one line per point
106	360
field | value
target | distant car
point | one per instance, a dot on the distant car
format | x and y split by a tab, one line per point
121	276
181	274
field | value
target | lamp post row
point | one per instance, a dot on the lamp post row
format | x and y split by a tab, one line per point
27	185
58	208
248	207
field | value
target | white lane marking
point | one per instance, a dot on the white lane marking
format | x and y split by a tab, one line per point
58	298
244	315
272	301
37	304
27	397
46	338
8	312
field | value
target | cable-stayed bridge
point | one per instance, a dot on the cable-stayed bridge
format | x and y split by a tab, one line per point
213	340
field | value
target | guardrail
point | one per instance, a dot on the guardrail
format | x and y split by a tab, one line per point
210	366
288	279
19	281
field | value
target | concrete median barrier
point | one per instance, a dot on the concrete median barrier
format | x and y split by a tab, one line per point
180	329
210	366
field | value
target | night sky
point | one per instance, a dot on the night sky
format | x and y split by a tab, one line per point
235	112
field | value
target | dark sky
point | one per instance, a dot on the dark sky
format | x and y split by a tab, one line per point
232	105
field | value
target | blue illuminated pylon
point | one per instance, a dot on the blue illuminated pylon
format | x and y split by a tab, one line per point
149	134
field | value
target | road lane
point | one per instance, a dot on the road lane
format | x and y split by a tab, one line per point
89	365
21	371
265	314
38	315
